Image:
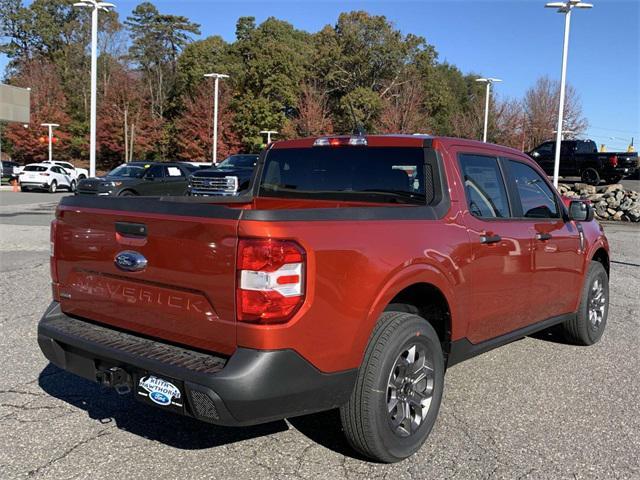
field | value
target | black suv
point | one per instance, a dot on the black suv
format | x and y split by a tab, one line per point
140	178
230	177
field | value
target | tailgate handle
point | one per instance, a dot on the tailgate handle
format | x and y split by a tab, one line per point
138	230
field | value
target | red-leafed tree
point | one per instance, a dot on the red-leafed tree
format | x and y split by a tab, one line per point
48	104
126	131
314	115
194	139
402	108
509	123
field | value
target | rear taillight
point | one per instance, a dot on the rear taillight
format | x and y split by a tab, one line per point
270	280
613	160
52	251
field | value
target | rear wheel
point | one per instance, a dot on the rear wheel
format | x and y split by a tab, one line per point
591	319
590	176
397	395
127	193
53	188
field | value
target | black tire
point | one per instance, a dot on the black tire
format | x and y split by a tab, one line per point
367	417
72	186
53	188
587	327
590	176
127	193
81	177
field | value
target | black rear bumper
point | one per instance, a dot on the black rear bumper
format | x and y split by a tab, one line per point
250	387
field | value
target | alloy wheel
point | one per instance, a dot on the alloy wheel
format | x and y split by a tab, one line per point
597	303
410	389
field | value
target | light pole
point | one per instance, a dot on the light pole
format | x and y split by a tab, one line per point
216	77
51	127
95	5
566	8
268	133
489	82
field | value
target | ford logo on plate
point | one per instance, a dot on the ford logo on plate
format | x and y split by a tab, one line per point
130	261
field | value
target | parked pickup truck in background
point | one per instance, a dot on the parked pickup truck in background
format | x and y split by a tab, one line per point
229	177
354	273
580	158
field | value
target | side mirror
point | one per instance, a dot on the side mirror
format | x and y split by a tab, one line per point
580	211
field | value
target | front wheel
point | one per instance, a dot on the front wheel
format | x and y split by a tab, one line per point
587	327
53	187
72	187
395	402
590	176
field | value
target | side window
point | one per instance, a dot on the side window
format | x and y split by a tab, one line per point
545	148
56	169
536	197
173	172
484	186
154	172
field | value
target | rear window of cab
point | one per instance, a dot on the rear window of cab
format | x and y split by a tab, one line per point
390	174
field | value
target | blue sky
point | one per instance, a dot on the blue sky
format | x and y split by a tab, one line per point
516	40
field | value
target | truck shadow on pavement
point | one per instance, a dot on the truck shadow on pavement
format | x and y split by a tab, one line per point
106	406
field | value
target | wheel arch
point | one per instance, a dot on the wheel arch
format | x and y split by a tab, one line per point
601	255
423	290
427	301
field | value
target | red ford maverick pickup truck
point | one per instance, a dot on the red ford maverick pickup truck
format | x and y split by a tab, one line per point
354	272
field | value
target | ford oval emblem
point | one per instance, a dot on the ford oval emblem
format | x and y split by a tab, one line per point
130	261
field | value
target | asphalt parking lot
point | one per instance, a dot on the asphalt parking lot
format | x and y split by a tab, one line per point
536	408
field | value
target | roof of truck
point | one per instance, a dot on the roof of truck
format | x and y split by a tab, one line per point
395	140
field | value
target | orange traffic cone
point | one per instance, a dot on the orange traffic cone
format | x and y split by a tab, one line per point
15	186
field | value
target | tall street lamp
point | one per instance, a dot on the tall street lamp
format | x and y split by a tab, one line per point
566	8
268	133
51	126
95	5
217	77
489	82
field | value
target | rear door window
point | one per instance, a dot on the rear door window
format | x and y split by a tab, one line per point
536	197
173	172
155	171
394	175
484	186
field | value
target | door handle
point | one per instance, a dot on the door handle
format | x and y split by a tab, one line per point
490	239
543	236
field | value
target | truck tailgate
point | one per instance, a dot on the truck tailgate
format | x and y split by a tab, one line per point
186	292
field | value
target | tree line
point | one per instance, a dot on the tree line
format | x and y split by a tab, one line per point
155	103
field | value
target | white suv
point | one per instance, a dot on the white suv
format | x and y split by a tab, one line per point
76	173
45	176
